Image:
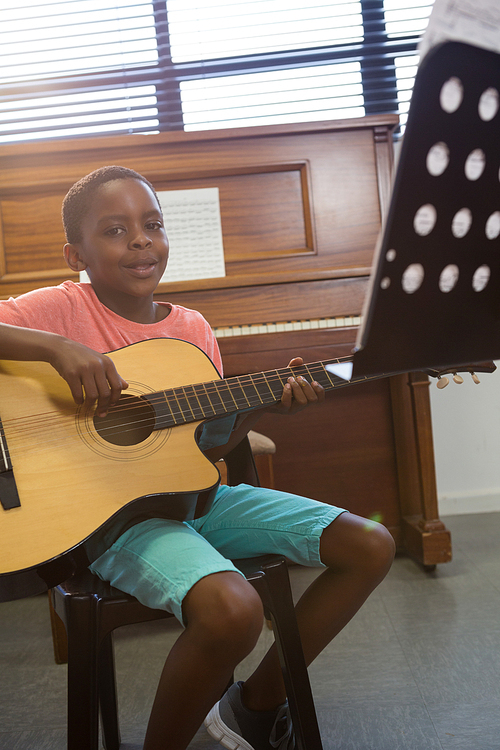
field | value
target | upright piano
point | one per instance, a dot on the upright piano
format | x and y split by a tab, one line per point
301	208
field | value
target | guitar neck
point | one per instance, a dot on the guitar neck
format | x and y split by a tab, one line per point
193	403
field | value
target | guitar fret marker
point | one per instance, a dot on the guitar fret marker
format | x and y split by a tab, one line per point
218	403
207	395
253	395
197	406
244	393
183	404
173	412
223	392
188	401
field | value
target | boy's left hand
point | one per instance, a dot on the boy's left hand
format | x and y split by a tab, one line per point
298	393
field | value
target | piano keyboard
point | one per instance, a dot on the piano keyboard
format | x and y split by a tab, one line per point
289	325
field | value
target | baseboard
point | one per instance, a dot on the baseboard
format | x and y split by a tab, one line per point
485	502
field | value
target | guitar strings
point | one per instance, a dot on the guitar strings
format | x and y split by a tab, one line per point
178	414
217	388
186	393
211	388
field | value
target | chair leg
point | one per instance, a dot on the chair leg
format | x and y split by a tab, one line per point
274	589
83	705
59	638
107	695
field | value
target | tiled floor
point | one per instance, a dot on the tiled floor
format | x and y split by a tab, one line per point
417	669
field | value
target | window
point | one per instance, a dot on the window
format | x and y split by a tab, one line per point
88	67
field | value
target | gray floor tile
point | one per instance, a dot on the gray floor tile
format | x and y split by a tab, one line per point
396	727
467	726
33	697
46	739
364	676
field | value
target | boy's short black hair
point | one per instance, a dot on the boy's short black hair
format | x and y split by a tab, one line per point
79	197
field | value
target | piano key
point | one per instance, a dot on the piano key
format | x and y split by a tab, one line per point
289	325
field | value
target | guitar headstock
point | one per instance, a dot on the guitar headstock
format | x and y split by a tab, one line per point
442	380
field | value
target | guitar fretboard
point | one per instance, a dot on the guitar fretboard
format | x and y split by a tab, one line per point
219	397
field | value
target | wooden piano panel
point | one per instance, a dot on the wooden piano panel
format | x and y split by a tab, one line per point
297	202
266	212
276	302
301	208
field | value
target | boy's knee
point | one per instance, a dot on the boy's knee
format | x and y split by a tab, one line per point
380	547
356	543
226	611
238	609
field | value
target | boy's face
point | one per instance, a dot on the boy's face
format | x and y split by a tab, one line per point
124	247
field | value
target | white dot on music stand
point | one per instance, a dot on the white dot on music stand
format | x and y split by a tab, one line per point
438	159
448	278
481	278
461	222
425	219
475	164
489	104
413	277
492	228
452	93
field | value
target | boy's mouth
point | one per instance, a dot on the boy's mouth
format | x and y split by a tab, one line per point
142	267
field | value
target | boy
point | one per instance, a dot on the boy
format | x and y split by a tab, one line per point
114	230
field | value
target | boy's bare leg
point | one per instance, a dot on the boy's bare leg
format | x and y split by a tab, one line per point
358	554
224	620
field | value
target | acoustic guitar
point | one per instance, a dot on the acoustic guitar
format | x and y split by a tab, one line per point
71	482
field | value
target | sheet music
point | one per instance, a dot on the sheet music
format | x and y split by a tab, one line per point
193	224
475	22
194	231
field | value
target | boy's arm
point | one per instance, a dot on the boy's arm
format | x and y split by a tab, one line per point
91	376
297	394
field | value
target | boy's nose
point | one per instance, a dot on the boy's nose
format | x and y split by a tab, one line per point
140	240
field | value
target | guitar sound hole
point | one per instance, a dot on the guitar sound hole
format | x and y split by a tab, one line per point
131	421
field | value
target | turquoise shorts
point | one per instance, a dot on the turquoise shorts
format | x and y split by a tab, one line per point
158	561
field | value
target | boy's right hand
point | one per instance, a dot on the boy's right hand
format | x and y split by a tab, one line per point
91	376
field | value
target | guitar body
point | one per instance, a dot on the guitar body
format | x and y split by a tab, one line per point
78	491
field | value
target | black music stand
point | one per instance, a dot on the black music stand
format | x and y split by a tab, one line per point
434	297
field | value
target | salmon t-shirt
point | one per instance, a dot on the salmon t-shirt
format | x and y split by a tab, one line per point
73	310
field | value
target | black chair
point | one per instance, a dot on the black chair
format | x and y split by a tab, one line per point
91	609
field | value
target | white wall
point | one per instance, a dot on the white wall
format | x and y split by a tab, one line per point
466	426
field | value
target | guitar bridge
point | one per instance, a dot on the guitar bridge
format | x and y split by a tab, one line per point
9	497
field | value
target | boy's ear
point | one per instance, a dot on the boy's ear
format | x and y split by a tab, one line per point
72	257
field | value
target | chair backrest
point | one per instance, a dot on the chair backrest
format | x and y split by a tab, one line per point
240	464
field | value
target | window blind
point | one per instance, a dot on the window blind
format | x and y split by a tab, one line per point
90	67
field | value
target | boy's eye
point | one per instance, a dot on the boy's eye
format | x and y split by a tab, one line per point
114	231
154	225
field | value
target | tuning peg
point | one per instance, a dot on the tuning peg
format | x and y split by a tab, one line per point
475	378
457	378
442	382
